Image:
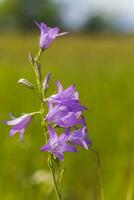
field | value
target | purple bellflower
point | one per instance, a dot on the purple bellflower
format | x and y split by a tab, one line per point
64	107
64	95
68	97
61	116
19	124
79	137
48	35
58	145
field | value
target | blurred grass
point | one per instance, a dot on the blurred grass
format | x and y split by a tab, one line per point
103	70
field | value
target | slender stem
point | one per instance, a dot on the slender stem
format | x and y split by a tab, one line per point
34	113
99	171
41	94
54	179
38	54
44	124
37	70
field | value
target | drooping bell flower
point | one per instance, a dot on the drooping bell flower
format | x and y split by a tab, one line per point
19	124
48	35
79	137
68	97
62	116
64	107
58	145
64	95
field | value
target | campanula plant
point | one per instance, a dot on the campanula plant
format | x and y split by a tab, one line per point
64	112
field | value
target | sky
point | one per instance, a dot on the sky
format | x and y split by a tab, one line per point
75	12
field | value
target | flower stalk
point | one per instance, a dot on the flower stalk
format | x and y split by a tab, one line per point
99	171
41	92
51	166
64	111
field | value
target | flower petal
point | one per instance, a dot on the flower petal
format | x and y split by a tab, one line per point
63	138
16	120
73	104
56	113
59	155
59	86
53	135
53	32
46	147
69	148
21	134
61	34
13	132
43	27
69	120
67	93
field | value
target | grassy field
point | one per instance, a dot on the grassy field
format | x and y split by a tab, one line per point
102	69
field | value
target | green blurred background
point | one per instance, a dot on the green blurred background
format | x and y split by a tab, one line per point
99	59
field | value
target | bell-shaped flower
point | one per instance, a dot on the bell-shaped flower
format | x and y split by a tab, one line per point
63	116
79	137
68	97
57	145
48	35
19	124
64	107
64	95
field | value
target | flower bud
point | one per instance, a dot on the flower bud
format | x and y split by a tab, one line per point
26	83
46	81
37	69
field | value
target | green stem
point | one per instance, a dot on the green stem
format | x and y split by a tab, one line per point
38	55
34	113
99	171
37	70
54	178
41	94
44	124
